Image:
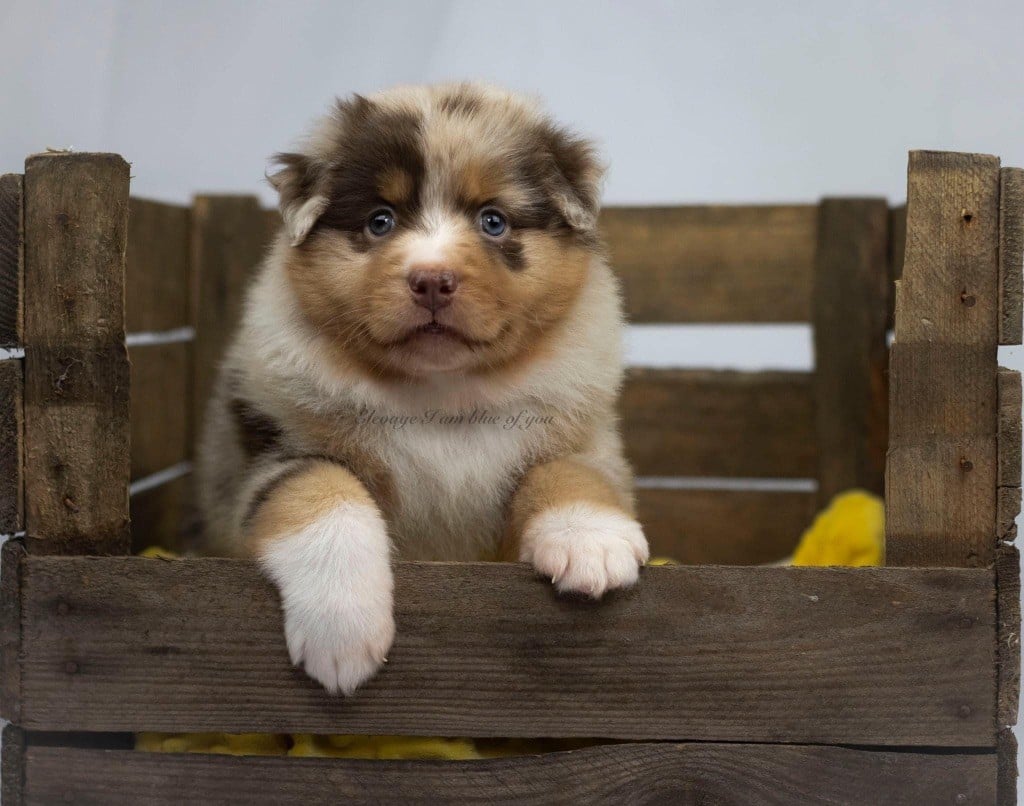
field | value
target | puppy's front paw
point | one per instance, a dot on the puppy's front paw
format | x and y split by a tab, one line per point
585	548
336	587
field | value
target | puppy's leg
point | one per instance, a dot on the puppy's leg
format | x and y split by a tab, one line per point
573	526
320	537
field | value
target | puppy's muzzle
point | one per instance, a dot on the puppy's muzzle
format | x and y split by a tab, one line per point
432	288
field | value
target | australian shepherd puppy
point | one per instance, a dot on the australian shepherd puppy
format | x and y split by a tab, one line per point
426	369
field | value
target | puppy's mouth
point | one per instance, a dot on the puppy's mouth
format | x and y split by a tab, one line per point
436	331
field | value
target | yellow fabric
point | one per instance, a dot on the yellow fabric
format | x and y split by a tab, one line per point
849	532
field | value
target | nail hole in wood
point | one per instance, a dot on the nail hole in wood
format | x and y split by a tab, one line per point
966	464
966	215
967	299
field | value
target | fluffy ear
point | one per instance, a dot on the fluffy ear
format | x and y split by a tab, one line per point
576	183
300	197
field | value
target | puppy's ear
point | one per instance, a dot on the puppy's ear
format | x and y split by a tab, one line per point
575	183
300	197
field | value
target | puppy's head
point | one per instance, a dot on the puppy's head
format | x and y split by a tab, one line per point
438	229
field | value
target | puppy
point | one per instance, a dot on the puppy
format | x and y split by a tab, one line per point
426	369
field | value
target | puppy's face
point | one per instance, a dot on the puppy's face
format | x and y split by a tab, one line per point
438	229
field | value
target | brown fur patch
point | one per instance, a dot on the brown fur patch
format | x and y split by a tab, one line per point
257	433
301	498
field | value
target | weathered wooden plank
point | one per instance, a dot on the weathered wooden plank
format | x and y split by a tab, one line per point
897	248
708	423
1007	569
10	629
941	474
12	767
76	366
606	774
1008	496
1011	254
728	654
1006	765
850	312
724	527
157	273
713	263
228	238
11	385
160	516
161	385
11	243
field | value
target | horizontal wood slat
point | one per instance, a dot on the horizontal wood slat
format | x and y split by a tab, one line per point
161	388
713	263
719	423
157	267
11	388
606	774
724	527
865	656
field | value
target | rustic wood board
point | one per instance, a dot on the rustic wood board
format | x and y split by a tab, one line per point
713	263
228	237
678	422
12	767
76	365
11	243
1006	765
1007	569
10	629
10	446
941	474
1011	254
606	774
484	649
157	272
850	313
724	527
161	387
897	248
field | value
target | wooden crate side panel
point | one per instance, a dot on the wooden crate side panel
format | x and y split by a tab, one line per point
713	263
11	250
942	462
227	241
10	629
1011	254
711	423
850	312
606	774
197	645
11	454
76	364
161	385
724	527
157	267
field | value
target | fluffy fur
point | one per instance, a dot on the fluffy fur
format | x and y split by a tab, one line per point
477	428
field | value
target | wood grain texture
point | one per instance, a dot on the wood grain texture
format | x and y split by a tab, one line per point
1011	254
728	654
161	386
228	239
942	462
157	273
1009	396
897	248
10	629
76	365
11	243
754	775
1006	766
851	359
713	263
1007	570
724	527
719	423
160	516
11	430
12	767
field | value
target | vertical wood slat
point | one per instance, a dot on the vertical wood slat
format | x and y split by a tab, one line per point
10	629
11	452
942	461
11	250
12	767
76	363
228	238
849	313
1011	255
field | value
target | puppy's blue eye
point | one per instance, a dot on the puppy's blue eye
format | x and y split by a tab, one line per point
380	222
493	223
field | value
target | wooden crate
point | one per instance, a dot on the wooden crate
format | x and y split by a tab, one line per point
718	683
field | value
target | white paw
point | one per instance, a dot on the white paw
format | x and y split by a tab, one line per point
336	587
585	548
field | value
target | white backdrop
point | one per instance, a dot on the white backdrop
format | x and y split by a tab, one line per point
692	102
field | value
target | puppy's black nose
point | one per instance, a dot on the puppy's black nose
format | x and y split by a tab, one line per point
433	288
